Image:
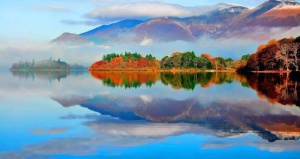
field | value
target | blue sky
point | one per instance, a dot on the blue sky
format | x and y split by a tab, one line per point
41	21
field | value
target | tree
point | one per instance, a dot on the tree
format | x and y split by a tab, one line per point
126	58
204	63
187	59
32	63
165	62
228	60
219	63
246	57
294	51
196	62
283	55
150	57
175	61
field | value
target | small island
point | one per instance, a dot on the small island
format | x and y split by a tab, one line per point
275	56
44	65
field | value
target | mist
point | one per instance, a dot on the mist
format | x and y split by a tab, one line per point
86	53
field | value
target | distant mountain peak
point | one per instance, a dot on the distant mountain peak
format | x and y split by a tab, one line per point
288	3
233	8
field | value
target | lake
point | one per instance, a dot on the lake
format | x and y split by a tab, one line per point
45	115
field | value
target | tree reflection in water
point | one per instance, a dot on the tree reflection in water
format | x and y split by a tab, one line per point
179	80
277	88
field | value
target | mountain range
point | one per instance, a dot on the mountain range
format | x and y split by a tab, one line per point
225	21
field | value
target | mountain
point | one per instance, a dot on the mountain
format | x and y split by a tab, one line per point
282	15
69	37
225	20
104	33
99	34
214	22
112	28
164	29
270	14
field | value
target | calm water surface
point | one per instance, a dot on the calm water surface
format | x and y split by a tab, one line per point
148	115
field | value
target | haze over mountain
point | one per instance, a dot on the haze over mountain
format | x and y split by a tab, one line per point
222	21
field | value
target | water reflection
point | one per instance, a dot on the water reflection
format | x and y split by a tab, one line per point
44	75
270	122
177	80
126	79
277	88
190	80
88	118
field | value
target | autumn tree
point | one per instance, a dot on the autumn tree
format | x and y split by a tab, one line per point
219	63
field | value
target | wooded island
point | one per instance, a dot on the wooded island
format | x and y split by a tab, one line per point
275	56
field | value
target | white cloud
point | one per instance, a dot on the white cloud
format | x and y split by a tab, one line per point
146	41
144	10
146	98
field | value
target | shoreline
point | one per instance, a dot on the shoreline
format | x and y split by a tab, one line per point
159	70
273	71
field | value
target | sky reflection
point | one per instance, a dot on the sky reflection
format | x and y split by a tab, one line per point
80	117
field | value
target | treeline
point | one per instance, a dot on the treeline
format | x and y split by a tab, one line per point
127	56
186	60
127	61
189	60
276	55
41	65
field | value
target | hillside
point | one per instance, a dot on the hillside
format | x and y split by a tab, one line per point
224	21
164	29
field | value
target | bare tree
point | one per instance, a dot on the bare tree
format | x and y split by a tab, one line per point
284	55
294	49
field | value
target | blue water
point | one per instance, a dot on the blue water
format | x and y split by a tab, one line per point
80	117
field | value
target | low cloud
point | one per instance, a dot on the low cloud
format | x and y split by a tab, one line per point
145	10
146	42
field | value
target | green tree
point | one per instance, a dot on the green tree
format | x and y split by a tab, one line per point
150	57
205	63
187	59
246	57
175	61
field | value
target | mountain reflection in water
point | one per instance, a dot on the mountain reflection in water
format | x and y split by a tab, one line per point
129	112
271	122
268	116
